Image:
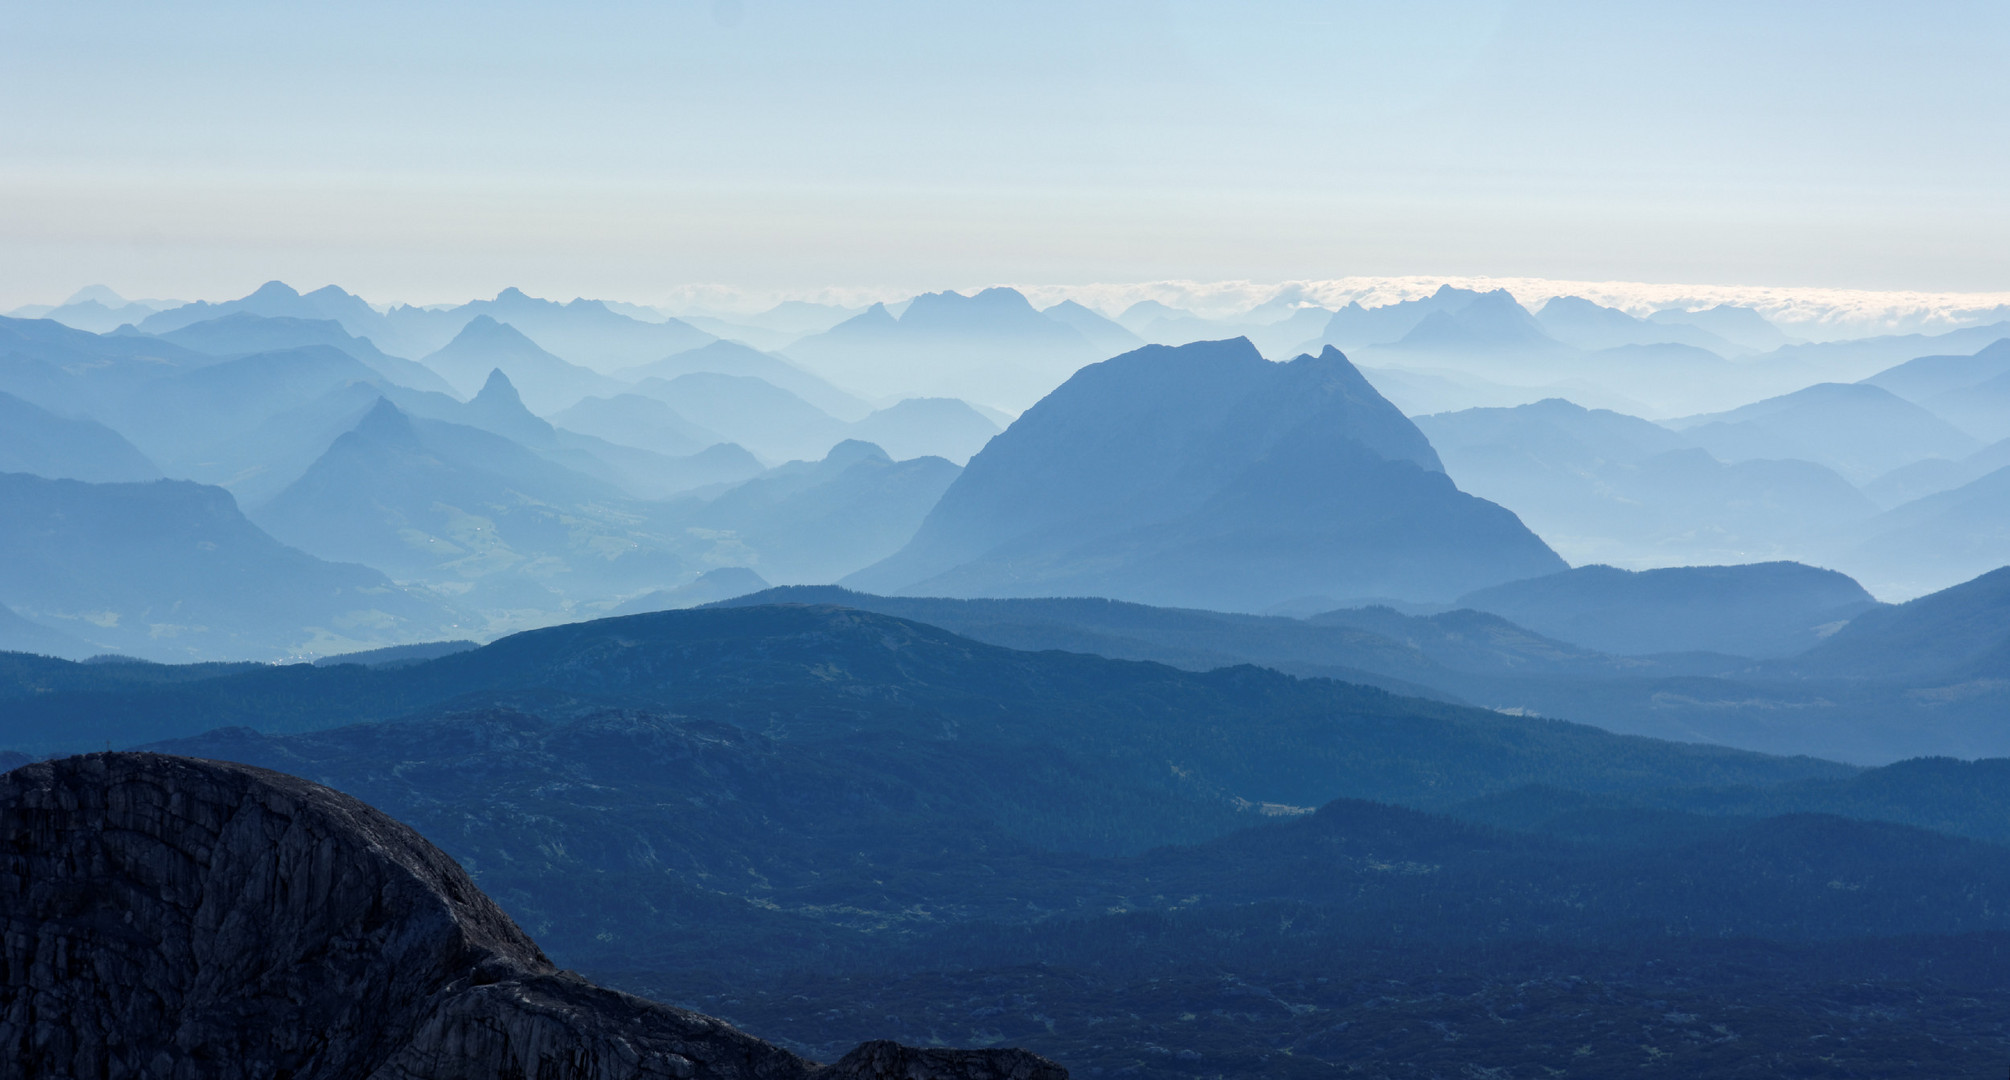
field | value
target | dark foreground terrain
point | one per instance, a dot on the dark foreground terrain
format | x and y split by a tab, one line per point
167	917
827	826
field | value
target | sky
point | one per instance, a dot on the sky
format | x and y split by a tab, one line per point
430	152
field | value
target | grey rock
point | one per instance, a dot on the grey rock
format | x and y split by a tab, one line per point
180	919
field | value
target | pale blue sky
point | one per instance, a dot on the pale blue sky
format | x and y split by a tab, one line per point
436	151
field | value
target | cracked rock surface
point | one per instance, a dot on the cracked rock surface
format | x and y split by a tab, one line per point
179	919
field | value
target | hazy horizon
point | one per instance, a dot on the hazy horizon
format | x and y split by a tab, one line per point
439	153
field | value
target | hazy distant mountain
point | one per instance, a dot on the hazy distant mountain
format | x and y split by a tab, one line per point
1739	325
1757	609
1864	357
75	373
814	522
241	332
1981	410
799	317
638	420
1937	540
172	570
25	636
484	345
712	586
276	299
1601	486
1490	322
750	411
920	427
776	326
1206	476
244	420
1106	336
1576	321
427	500
583	332
94	308
1932	475
1354	325
992	348
1859	430
498	408
1924	378
1146	312
733	358
35	440
640	472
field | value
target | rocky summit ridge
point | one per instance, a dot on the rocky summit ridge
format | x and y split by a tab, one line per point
182	919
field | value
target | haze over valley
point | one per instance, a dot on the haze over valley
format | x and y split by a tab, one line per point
716	540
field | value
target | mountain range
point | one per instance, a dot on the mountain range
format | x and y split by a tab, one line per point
952	828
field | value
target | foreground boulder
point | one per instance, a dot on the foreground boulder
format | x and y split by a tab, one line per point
174	919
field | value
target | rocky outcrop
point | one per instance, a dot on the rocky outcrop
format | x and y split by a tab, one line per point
179	919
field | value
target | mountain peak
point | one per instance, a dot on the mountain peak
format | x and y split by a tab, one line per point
488	331
386	423
102	294
852	451
274	290
498	391
499	408
511	293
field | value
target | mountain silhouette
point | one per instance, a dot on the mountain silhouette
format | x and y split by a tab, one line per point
1741	325
1489	322
639	420
920	427
1757	609
423	499
1354	325
733	358
35	440
20	635
1924	378
992	348
1961	632
584	332
749	411
171	570
1104	335
485	345
814	522
712	586
241	332
1859	430
1604	486
1585	324
276	299
1206	476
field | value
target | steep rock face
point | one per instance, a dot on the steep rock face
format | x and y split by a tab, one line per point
1207	476
177	919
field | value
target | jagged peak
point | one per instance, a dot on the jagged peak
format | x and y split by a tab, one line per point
498	390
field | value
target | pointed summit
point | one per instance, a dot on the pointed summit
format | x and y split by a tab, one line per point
498	408
485	346
498	392
385	424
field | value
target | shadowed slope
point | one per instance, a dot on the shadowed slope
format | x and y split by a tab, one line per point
226	921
